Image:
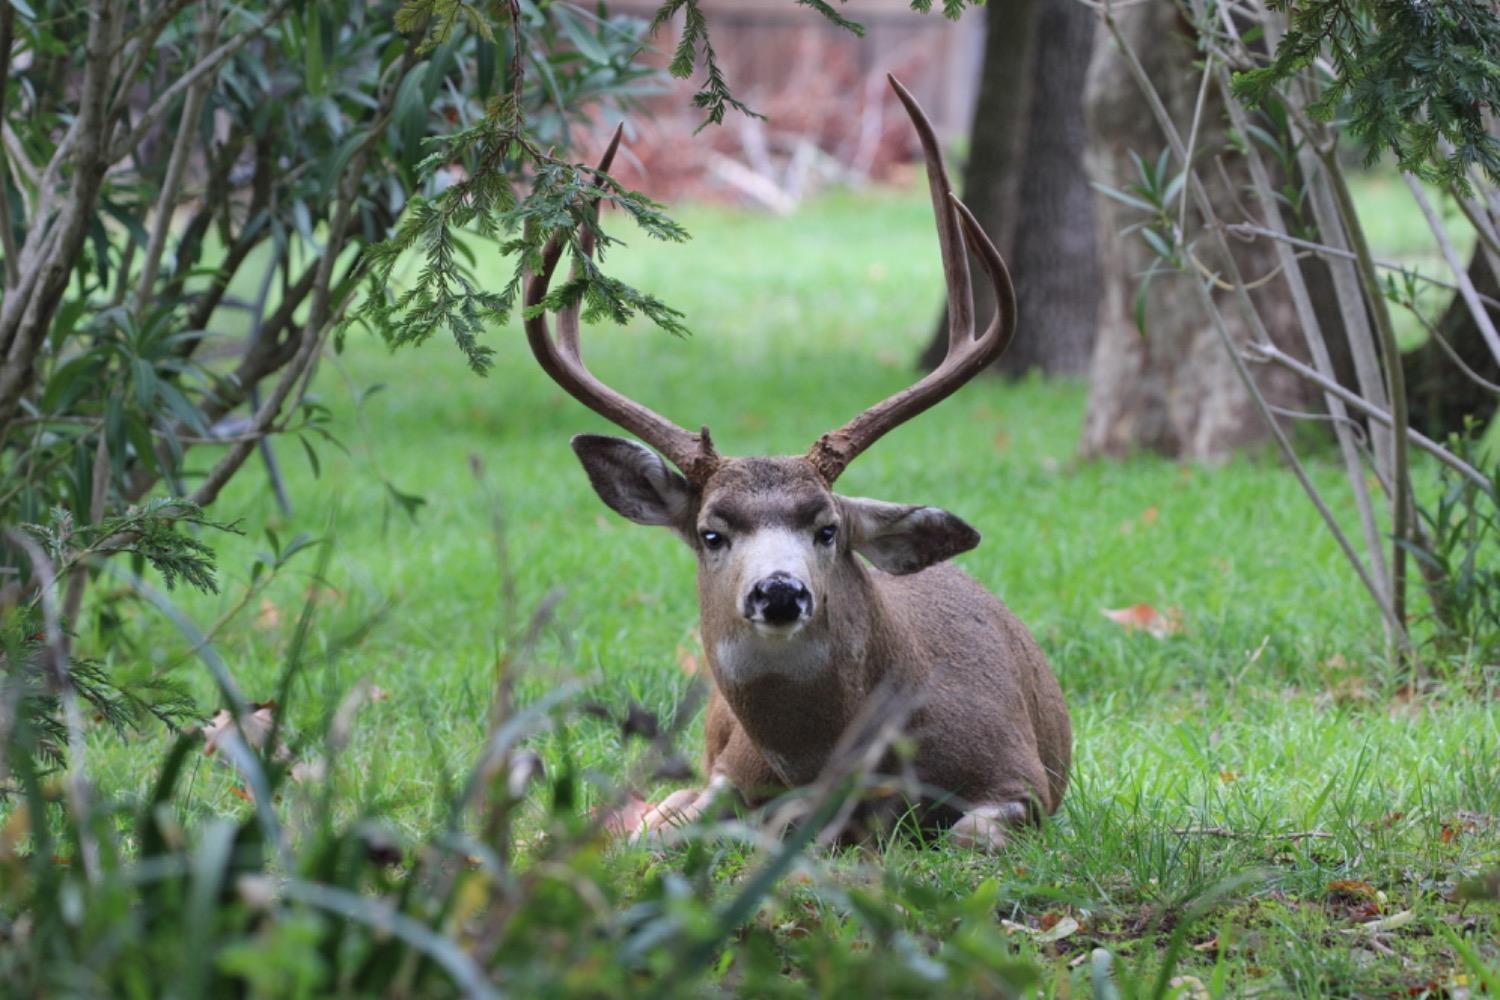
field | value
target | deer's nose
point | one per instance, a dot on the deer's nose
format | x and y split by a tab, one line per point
779	599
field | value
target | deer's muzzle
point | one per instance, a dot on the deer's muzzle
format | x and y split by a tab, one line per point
780	599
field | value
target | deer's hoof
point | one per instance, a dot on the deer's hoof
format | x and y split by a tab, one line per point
985	828
676	810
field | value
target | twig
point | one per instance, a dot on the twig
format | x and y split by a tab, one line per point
1263	351
1205	208
1480	314
1395	375
1192	142
1323	249
1317	345
1228	834
7	234
204	67
1456	358
182	145
315	328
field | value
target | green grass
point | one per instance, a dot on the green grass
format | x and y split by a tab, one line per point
1230	773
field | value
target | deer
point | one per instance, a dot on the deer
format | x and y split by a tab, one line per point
810	601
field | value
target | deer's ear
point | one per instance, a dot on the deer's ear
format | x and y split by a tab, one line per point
634	481
903	539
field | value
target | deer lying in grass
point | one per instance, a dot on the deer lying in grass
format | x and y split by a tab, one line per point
811	600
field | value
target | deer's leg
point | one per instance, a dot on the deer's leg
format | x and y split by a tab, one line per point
730	759
682	807
985	827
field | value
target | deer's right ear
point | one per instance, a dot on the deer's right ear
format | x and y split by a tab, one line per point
635	482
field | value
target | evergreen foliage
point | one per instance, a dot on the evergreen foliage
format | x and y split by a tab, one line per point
1415	79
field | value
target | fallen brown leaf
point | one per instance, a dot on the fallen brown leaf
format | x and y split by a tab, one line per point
1146	618
221	729
268	616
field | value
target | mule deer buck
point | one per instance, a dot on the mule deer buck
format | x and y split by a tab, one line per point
811	600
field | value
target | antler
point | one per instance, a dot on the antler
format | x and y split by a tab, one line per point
562	359
968	353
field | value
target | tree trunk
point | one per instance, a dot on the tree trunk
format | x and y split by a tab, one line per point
1440	394
1025	182
1171	386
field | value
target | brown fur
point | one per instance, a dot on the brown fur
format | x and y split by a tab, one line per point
990	726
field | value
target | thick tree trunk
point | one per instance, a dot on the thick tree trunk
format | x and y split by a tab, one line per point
1440	393
1025	182
1171	387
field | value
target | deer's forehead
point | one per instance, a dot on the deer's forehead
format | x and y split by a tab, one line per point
764	492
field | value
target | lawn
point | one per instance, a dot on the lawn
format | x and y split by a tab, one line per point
1260	780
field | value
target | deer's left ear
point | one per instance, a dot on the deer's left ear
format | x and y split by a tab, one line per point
901	539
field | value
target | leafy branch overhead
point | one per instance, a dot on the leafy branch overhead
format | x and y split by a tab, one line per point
500	149
1417	79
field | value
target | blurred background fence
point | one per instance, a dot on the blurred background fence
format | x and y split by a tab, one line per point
830	118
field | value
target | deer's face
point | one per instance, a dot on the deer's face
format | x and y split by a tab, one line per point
769	534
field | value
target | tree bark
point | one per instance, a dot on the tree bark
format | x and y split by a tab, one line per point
1171	387
1441	394
1024	180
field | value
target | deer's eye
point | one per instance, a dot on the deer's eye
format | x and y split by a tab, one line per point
827	534
713	540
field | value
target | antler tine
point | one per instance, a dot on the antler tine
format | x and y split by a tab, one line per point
562	360
950	239
968	355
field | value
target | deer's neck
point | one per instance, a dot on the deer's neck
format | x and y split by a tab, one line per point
795	696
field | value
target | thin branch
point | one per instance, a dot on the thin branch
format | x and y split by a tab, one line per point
1192	142
140	42
1317	345
1205	208
204	67
1323	249
1480	314
1395	375
1225	832
1262	351
1456	358
97	497
7	231
172	181
51	249
315	327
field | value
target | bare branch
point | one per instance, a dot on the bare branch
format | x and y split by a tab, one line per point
1317	345
172	181
1205	209
50	249
7	233
1265	351
205	66
1480	314
1325	250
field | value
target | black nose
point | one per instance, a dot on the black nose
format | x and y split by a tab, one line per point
779	599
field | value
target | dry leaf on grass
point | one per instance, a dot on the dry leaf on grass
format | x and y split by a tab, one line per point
267	616
1061	928
221	730
1147	619
1390	923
